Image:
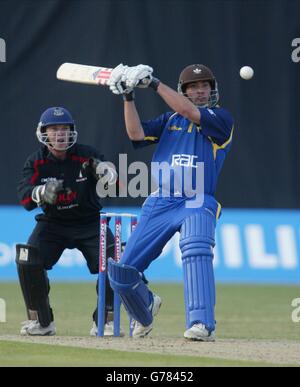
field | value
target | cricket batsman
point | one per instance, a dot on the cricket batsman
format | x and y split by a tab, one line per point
193	139
61	179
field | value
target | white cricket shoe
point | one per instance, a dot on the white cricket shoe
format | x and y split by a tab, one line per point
35	329
198	332
139	330
108	330
25	325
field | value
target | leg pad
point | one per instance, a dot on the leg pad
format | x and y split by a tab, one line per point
135	295
34	283
197	242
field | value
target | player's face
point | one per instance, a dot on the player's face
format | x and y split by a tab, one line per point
198	92
59	136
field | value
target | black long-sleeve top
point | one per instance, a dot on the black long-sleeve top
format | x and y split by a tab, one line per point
78	201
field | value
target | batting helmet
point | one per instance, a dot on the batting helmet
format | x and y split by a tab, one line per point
56	116
195	73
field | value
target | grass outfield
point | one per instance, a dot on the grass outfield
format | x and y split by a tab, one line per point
34	355
243	312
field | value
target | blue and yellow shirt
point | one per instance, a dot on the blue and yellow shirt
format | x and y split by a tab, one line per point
183	143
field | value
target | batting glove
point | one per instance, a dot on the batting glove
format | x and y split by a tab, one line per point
140	76
117	80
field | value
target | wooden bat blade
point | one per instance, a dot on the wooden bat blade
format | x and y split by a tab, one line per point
78	73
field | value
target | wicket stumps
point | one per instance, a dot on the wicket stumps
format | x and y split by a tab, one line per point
103	268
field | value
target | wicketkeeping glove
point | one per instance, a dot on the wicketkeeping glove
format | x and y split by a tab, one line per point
99	169
47	193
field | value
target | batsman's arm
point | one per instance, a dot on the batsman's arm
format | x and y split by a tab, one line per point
133	124
179	103
141	76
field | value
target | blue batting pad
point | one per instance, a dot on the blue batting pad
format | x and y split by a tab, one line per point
136	297
196	243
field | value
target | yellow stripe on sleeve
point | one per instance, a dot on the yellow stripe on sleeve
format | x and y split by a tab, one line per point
190	128
149	138
217	147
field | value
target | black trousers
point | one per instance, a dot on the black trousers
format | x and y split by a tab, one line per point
52	239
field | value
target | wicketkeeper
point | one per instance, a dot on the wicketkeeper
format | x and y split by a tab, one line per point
61	179
193	139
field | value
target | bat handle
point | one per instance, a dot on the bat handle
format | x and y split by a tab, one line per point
144	82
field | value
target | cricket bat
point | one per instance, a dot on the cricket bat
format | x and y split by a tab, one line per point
78	73
89	75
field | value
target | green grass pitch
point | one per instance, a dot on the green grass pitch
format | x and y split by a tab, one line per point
243	313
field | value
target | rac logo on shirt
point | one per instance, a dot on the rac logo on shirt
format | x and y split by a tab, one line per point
184	160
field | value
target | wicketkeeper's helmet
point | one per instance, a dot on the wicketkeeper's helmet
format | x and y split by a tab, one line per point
56	116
